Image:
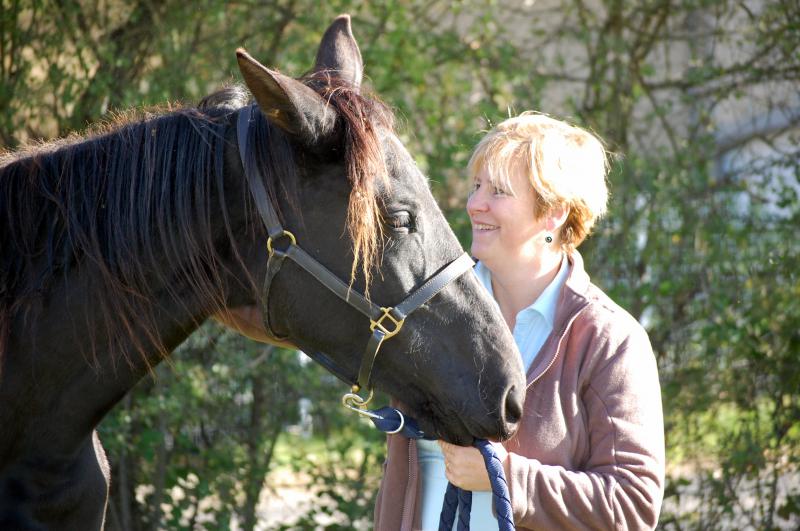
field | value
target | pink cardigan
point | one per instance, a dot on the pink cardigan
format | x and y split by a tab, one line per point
589	453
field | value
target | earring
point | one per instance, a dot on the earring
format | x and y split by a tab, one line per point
548	238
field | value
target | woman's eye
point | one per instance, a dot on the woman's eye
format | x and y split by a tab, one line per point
474	188
499	191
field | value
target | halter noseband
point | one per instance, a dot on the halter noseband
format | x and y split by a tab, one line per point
385	322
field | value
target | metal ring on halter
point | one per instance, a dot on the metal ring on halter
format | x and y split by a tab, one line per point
402	424
285	233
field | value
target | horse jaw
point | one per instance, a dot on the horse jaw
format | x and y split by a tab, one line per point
247	321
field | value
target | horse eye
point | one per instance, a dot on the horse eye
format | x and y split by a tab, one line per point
400	221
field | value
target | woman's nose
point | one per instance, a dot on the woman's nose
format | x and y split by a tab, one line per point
476	202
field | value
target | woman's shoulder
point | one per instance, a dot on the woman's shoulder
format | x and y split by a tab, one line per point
607	318
609	340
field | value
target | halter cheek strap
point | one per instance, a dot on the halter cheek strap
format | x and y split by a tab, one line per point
385	322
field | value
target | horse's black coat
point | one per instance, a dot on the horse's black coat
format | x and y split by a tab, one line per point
115	247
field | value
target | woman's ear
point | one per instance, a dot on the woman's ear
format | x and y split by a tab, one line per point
556	217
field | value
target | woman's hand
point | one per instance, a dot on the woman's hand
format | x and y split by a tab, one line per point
465	468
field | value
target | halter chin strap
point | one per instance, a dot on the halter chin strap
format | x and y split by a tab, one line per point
385	322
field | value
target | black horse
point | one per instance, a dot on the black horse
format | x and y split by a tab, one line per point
116	246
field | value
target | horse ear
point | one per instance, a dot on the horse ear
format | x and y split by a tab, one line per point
339	54
286	102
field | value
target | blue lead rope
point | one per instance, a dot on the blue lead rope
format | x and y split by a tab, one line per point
456	500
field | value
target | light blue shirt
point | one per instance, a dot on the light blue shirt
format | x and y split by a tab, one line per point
533	326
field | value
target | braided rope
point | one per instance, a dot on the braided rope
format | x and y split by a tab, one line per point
497	477
390	420
456	498
464	509
449	508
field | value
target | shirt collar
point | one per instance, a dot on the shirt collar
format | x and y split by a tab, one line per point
545	305
485	276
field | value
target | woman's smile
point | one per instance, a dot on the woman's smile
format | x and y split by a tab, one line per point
483	227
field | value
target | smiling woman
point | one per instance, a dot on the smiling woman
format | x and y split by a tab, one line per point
590	450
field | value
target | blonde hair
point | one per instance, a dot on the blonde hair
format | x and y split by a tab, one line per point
566	167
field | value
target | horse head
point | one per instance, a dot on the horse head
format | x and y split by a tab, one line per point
356	202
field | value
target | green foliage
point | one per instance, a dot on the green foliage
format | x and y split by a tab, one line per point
344	476
700	243
197	443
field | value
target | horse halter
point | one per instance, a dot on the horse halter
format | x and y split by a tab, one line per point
385	322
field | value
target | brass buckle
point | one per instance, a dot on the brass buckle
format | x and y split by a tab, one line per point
379	323
286	234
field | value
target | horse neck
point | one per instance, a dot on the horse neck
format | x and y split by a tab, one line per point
58	375
63	338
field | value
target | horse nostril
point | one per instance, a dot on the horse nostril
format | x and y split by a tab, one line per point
513	405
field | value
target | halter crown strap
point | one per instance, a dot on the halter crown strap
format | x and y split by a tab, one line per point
254	178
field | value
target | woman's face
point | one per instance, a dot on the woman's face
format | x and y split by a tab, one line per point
504	229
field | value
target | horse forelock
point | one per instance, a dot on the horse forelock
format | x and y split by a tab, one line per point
119	199
362	117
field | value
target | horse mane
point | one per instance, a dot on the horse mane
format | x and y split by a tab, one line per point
120	200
